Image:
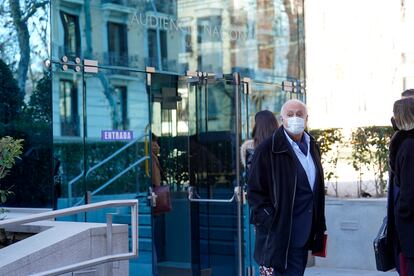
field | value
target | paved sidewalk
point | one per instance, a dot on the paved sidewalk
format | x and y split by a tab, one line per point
319	271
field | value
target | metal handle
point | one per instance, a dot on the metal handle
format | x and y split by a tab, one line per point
194	197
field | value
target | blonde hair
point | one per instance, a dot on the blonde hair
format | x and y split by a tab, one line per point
404	113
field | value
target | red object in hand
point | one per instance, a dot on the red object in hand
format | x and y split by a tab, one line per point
323	252
403	265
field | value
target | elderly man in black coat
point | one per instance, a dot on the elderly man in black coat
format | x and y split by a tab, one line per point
286	196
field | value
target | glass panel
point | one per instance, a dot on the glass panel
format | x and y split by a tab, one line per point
260	39
170	115
68	134
248	229
103	152
116	119
30	180
194	123
213	173
115	124
26	104
266	96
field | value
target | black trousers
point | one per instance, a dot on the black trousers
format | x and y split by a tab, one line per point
297	260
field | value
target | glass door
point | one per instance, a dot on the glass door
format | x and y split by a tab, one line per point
169	117
214	167
169	167
196	121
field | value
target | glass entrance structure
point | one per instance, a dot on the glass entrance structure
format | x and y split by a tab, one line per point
192	74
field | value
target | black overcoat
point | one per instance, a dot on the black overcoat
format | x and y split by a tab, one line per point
271	191
401	204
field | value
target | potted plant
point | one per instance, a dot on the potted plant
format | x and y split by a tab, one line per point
10	150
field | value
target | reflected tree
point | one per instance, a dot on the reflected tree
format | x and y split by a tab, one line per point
11	101
293	53
39	108
30	177
16	16
108	90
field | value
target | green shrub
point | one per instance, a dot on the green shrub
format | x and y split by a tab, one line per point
369	147
10	150
329	141
370	151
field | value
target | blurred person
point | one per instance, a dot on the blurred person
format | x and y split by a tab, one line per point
400	210
156	168
158	244
286	195
407	93
265	124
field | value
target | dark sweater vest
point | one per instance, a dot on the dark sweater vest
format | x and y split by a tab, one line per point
303	207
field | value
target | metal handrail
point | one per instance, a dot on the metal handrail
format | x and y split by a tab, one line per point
70	183
113	155
103	186
133	203
73	181
192	193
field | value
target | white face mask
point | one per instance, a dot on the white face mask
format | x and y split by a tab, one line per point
296	125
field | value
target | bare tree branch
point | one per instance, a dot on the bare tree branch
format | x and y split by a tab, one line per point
32	10
20	22
23	38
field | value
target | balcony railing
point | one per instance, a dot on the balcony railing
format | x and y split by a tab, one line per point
167	64
113	58
129	3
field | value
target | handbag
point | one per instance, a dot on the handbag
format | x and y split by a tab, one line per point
384	253
162	199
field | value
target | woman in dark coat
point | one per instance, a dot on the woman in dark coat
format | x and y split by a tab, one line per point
401	190
265	124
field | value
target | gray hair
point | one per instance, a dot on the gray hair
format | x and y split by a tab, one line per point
282	110
404	113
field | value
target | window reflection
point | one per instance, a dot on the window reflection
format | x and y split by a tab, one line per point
71	34
262	39
117	44
121	106
157	49
69	116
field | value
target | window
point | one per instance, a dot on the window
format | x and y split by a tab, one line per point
188	42
209	29
71	34
117	44
121	106
69	116
153	49
167	7
266	56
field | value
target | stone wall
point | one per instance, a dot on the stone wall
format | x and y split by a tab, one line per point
57	244
352	226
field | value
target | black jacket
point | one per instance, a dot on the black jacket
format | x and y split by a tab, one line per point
400	205
271	191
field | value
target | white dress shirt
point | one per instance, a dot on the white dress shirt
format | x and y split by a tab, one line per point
306	161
